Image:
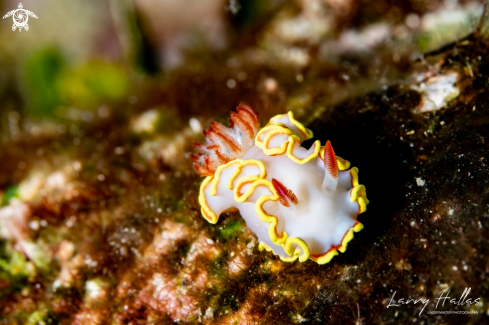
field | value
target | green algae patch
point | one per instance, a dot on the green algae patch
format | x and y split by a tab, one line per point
93	82
41	79
11	192
231	229
116	228
15	270
16	267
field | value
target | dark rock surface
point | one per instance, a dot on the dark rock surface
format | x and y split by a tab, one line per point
99	217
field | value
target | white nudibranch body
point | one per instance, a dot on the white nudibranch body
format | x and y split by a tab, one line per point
301	203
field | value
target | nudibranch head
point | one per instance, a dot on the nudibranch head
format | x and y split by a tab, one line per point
301	203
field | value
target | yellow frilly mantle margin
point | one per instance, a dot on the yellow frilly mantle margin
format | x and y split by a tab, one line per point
292	245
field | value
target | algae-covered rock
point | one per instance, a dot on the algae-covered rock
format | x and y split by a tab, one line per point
100	221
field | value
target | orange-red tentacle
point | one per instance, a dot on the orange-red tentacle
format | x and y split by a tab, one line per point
330	163
285	195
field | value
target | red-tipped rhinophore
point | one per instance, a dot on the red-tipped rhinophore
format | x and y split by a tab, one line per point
330	163
285	195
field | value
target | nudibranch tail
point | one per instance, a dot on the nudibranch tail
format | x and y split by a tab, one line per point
330	181
224	144
286	196
243	165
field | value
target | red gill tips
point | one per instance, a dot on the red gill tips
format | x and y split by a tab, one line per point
223	144
330	163
246	119
244	125
285	195
222	139
248	113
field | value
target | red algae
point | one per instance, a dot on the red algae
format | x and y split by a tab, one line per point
99	217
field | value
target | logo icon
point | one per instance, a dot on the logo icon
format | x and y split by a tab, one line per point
20	16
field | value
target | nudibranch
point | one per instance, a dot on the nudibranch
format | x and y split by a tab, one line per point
301	203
